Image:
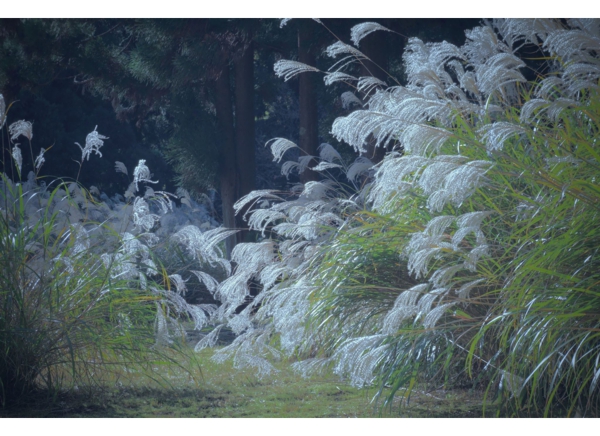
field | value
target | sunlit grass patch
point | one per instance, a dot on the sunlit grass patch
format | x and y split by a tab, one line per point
220	391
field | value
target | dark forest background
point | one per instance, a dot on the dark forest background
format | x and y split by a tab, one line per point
196	98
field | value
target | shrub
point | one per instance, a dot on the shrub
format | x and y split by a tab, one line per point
471	253
81	293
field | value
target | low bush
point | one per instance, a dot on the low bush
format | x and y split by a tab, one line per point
470	254
82	294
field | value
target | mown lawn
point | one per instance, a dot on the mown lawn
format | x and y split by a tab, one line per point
222	391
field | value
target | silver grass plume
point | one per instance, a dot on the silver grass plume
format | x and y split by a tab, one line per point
482	43
40	159
328	153
179	283
470	223
361	30
369	83
260	219
288	69
149	192
337	76
426	302
20	128
203	246
496	134
250	350
323	166
162	334
474	255
207	280
360	166
210	340
459	185
404	308
184	197
464	290
311	366
573	45
532	109
434	315
141	173
254	197
442	276
339	48
82	240
142	218
355	128
427	244
93	142
550	87
357	358
554	109
498	71
421	138
580	76
279	146
432	178
317	190
121	168
527	30
348	99
395	177
299	167
17	156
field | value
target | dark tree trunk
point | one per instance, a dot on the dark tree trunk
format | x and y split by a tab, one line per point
309	134
227	162
244	130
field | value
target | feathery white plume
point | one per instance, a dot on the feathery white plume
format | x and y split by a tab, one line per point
279	146
361	30
348	99
39	160
465	289
337	76
405	307
210	340
339	47
328	153
142	218
17	156
141	173
368	83
121	168
20	128
360	166
494	135
179	283
322	166
288	69
93	143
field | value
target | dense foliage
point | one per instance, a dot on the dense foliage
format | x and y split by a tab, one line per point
83	288
467	257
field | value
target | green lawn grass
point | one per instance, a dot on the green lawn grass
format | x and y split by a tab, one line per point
225	392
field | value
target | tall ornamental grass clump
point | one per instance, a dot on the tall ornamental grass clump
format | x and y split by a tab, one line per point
470	254
83	298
